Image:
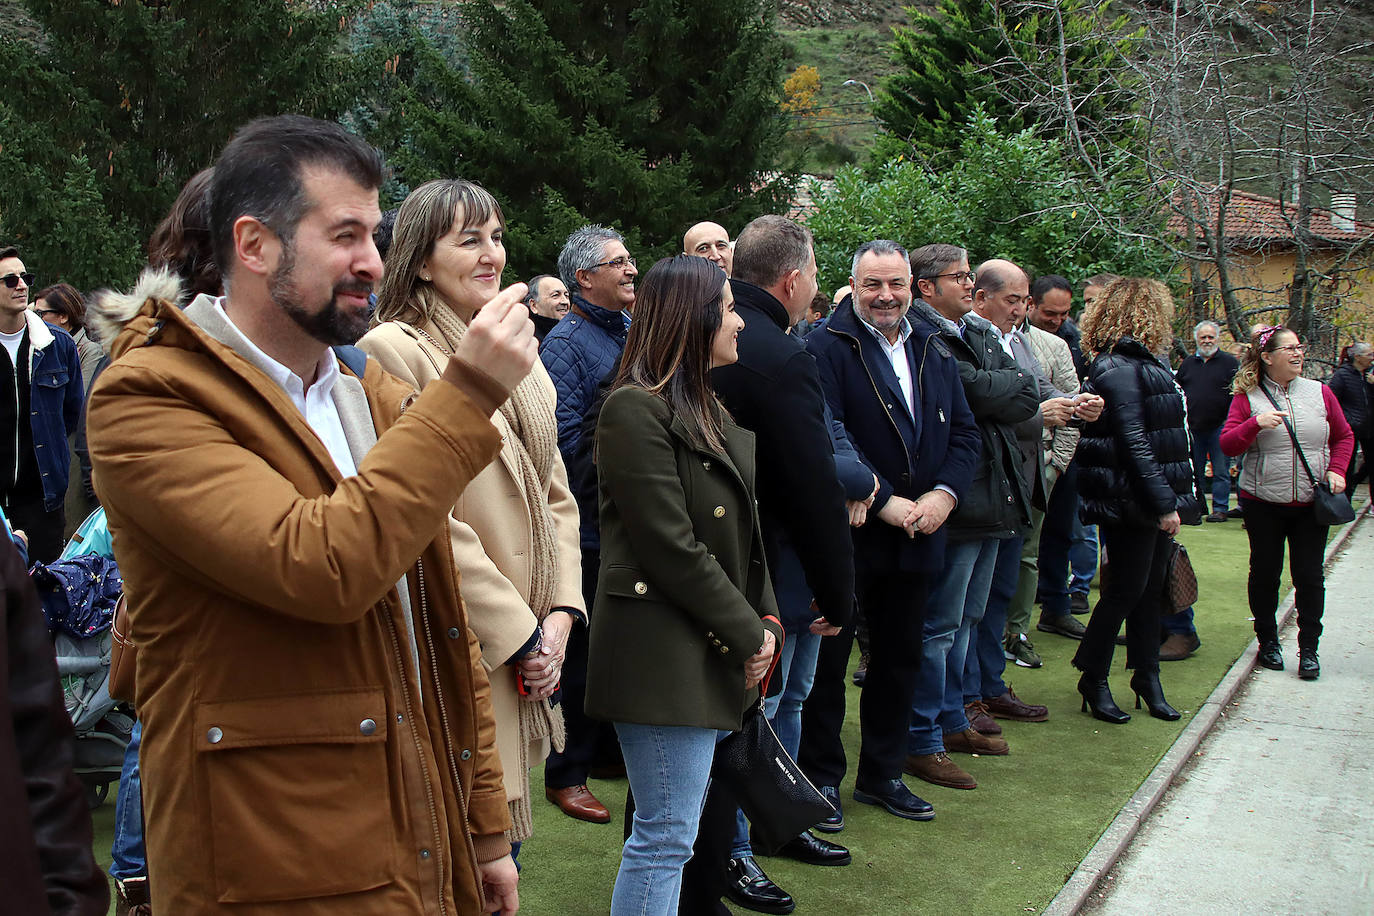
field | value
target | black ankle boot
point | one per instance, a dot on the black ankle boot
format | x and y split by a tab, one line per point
1147	688
1097	697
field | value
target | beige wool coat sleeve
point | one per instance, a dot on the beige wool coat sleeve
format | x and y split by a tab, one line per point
1054	355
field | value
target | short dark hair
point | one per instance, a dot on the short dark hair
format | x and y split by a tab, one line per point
930	260
1048	282
259	174
768	248
9	251
382	235
820	303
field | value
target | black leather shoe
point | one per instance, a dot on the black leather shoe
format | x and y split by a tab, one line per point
1309	669
748	886
835	822
1146	686
1098	696
813	850
1270	656
896	798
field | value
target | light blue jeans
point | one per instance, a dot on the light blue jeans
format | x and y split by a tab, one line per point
797	668
669	768
1082	557
953	611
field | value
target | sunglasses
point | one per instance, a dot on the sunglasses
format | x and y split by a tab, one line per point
12	280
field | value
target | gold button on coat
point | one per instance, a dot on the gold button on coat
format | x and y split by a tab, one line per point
641	588
720	512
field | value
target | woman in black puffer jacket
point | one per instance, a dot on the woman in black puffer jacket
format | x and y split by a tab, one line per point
1352	388
1135	481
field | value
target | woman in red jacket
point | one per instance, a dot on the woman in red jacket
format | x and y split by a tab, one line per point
1274	411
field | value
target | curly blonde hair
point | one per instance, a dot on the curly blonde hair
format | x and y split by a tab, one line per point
1129	307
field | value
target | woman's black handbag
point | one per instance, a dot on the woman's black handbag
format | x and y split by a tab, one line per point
772	790
1327	508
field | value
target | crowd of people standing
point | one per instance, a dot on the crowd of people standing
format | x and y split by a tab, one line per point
393	533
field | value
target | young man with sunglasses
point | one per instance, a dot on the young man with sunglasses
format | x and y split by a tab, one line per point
40	403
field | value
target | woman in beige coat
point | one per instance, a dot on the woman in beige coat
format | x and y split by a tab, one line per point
514	529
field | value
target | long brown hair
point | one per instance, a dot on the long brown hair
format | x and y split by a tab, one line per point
425	217
668	350
181	242
1133	307
1264	339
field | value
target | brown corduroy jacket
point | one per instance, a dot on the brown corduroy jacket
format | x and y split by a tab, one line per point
294	760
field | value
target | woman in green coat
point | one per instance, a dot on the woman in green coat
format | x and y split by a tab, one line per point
683	629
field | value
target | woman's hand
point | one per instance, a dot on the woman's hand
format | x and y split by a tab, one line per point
758	663
1335	481
1271	418
543	669
1170	523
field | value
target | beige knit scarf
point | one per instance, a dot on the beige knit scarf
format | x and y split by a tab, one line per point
530	414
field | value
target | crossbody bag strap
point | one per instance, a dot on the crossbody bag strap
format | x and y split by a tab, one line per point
1291	432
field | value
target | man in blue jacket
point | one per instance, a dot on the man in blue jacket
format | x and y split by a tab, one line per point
40	402
896	389
579	353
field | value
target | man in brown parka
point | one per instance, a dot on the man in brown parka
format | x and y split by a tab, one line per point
318	735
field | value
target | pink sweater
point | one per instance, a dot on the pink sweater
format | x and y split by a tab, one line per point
1241	429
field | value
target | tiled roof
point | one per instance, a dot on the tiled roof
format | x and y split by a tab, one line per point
1254	219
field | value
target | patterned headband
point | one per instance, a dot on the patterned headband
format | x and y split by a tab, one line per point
1265	333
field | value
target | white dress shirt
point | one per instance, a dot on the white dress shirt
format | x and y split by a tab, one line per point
315	404
896	355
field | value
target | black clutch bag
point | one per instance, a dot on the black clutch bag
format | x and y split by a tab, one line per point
772	790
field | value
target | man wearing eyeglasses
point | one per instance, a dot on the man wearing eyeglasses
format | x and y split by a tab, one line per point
40	403
579	353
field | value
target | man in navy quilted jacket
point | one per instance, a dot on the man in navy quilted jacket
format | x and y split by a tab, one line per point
579	353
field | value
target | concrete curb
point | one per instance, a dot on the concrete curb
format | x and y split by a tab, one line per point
1123	828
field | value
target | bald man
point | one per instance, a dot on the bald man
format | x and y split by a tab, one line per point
712	242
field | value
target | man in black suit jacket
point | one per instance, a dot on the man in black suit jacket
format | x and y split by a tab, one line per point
774	390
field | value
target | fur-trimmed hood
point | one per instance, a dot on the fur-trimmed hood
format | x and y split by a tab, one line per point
111	313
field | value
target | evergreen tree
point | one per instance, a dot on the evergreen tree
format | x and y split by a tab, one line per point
1060	67
644	116
158	86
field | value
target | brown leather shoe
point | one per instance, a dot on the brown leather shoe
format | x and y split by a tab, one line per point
578	802
131	897
1009	706
939	770
1178	647
981	720
970	742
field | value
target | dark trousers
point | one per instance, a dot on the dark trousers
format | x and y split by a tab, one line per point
820	753
703	878
590	742
45	530
1360	468
895	605
1056	538
1132	590
1268	527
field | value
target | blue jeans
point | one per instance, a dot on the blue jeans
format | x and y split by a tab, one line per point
129	858
1180	623
1082	557
984	662
953	611
669	768
1207	444
797	668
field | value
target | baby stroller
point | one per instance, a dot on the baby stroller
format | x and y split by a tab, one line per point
86	571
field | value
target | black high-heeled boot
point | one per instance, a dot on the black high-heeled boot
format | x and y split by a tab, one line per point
1146	686
1097	697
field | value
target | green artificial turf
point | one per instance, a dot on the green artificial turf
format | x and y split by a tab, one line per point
1005	847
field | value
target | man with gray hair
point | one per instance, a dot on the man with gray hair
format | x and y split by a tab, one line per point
548	301
895	386
1205	378
580	351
